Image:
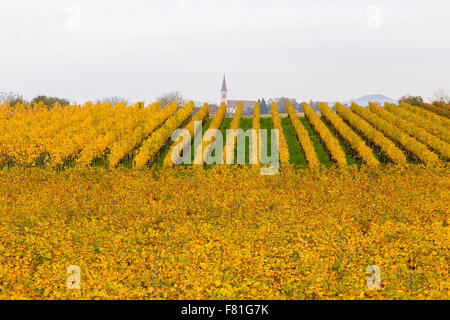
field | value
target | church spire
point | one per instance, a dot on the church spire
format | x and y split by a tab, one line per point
224	92
224	84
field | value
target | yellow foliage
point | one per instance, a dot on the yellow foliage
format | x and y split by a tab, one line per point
282	147
410	144
303	137
438	108
36	135
387	147
200	116
305	234
331	143
355	142
415	131
235	125
442	121
432	127
150	148
205	146
256	125
125	146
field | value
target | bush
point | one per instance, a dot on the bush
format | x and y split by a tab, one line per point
412	100
50	101
12	98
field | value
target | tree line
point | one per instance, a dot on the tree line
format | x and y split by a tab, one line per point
15	98
440	97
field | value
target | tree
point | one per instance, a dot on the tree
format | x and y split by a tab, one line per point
248	112
11	98
441	96
412	100
50	101
113	100
170	97
263	107
281	103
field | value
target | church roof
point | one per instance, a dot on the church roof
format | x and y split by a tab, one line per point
247	104
213	108
224	84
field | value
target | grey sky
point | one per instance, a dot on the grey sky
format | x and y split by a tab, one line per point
322	49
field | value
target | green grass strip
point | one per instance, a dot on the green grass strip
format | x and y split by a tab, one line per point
225	126
246	124
267	123
296	155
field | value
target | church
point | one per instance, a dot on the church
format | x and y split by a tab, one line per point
232	104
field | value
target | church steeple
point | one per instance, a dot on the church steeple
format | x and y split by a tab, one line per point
224	84
224	91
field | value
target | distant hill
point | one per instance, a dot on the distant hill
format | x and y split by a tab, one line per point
364	101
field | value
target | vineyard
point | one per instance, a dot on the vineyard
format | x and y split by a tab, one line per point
96	187
139	136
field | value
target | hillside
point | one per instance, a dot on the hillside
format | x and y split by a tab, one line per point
364	101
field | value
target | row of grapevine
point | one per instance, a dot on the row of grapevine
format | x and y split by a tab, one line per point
415	131
45	125
78	135
159	138
414	147
36	134
200	116
440	104
331	143
442	121
22	132
90	135
117	128
204	149
5	114
282	145
256	125
428	125
5	111
352	138
438	108
302	136
235	125
82	129
387	147
123	147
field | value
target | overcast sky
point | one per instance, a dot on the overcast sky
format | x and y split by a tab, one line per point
322	49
